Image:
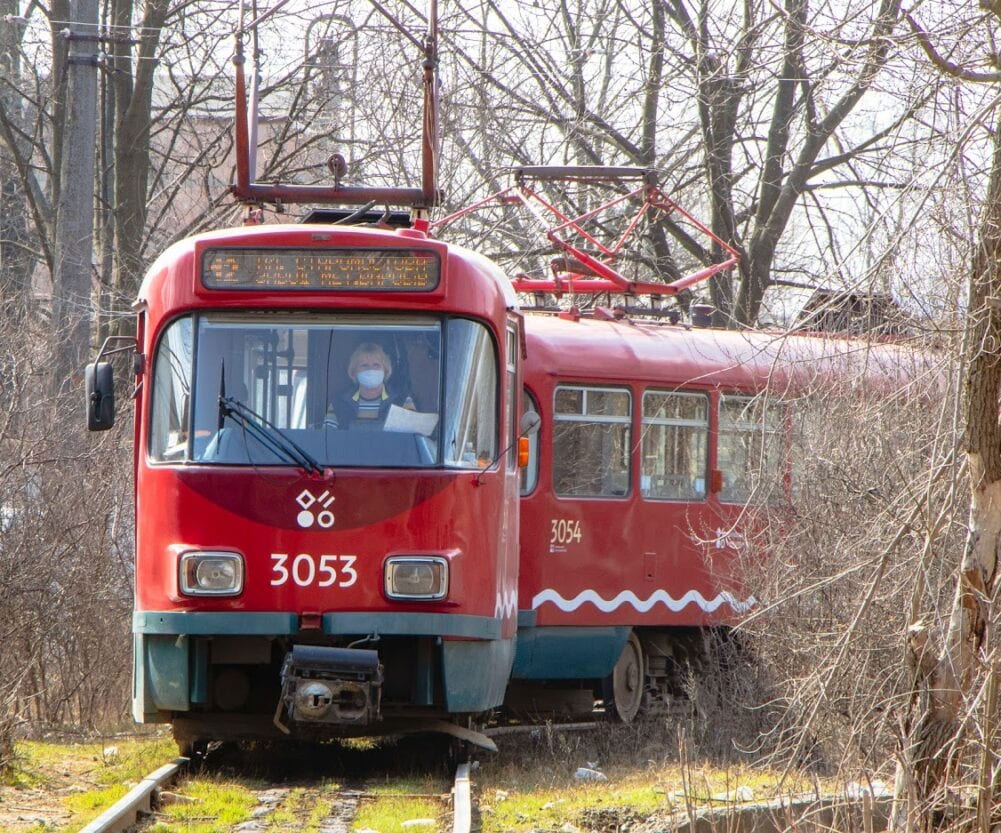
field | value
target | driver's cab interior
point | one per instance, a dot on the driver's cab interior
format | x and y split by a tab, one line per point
264	389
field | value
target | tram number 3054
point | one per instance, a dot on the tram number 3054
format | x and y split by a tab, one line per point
307	570
565	531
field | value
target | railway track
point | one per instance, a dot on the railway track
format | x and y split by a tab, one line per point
139	801
333	808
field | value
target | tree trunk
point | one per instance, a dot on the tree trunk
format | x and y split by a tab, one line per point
133	94
15	258
943	682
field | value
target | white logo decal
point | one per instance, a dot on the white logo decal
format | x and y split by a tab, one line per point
323	518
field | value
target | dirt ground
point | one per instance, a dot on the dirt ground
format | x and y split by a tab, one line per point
34	797
25	807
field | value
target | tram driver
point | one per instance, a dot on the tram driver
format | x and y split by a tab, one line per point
369	403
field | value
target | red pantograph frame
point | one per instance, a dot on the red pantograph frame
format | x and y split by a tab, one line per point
582	272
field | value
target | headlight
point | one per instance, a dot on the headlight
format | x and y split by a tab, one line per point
416	577
211	574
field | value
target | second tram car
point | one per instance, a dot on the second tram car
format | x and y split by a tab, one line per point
654	439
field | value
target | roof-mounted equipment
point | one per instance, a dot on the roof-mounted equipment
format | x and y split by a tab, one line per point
586	264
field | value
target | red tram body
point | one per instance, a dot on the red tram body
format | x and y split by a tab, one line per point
308	549
628	528
654	438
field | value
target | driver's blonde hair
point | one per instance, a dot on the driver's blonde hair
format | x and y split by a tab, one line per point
366	350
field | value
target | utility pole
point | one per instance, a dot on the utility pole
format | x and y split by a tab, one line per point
74	228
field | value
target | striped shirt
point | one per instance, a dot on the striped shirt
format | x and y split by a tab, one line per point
359	408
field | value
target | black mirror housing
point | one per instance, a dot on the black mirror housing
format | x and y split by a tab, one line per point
100	383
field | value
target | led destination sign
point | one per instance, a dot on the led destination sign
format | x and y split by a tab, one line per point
337	270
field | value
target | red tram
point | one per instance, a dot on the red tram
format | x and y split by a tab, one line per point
291	573
332	424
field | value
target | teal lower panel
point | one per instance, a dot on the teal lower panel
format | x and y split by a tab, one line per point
567	653
215	624
475	674
413	624
161	680
287	624
143	708
200	672
171	663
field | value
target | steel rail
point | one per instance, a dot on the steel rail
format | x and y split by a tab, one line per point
462	802
527	728
126	811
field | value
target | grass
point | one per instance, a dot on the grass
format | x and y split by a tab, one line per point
531	786
83	779
104	762
92	803
550	808
305	809
398	800
388	813
216	807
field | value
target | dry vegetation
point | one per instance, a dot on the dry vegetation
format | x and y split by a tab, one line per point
65	563
820	675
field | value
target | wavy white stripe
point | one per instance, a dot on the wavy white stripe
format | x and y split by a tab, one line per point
506	604
644	605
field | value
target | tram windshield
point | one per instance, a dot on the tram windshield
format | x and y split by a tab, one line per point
316	391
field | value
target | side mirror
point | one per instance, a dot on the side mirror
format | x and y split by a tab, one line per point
100	382
530	422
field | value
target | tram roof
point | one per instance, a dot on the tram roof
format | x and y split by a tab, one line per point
625	350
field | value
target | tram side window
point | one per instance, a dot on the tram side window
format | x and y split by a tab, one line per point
675	445
470	437
511	350
591	441
750	447
172	394
530	474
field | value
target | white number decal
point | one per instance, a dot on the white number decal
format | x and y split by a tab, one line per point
307	570
328	565
350	570
565	531
310	571
279	568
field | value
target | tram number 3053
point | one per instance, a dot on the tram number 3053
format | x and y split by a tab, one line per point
307	570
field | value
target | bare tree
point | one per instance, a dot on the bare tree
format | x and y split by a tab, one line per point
65	578
779	135
953	668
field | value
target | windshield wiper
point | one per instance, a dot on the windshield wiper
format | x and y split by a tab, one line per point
267	433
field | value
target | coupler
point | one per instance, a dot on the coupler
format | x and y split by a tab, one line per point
330	685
